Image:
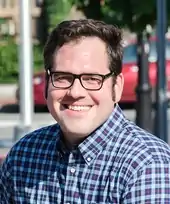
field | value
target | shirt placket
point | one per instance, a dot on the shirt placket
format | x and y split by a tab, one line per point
71	180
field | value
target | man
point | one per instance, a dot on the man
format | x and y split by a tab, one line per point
93	154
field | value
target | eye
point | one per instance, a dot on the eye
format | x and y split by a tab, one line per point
92	79
62	77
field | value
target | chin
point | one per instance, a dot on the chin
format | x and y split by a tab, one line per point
77	130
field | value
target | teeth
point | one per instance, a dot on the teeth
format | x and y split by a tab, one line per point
78	108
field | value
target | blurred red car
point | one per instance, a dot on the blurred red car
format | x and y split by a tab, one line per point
130	71
38	89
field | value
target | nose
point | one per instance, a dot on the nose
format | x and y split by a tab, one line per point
76	90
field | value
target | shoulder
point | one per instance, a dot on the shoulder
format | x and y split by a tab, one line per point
132	141
38	137
33	145
147	142
29	158
139	152
138	149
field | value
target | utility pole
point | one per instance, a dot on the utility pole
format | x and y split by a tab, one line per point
143	89
25	73
161	96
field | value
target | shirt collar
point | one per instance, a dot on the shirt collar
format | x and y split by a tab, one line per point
106	133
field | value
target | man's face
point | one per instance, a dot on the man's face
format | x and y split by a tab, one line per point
77	110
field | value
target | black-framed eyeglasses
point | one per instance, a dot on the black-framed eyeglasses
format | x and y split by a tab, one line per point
92	82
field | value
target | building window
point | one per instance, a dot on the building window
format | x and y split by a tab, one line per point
8	27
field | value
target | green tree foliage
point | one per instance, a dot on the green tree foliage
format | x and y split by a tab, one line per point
9	61
91	8
131	14
56	11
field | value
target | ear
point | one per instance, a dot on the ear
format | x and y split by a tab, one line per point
46	85
118	87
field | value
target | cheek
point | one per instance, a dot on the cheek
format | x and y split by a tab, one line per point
54	94
53	100
102	96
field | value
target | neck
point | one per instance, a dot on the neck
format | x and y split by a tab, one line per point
72	141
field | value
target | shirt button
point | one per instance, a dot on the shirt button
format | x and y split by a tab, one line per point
88	159
72	170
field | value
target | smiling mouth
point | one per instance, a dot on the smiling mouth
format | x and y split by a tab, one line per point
77	108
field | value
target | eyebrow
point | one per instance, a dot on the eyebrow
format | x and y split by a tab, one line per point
67	72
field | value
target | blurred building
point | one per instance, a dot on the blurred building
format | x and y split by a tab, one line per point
10	19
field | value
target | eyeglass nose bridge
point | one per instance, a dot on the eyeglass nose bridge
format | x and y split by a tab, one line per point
76	76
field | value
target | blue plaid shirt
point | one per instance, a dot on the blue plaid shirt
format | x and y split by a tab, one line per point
118	163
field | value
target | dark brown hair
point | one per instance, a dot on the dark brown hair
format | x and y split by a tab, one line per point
73	30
